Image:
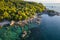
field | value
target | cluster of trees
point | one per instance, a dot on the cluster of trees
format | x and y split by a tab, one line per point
19	9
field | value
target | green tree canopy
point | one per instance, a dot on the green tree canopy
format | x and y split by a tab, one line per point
19	9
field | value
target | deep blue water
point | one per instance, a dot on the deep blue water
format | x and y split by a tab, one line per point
48	29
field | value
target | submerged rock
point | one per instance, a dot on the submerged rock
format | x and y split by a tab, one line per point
12	23
38	20
24	34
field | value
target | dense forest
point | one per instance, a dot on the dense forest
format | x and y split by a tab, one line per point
19	9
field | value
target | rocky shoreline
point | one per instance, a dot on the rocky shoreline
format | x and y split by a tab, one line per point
35	18
51	12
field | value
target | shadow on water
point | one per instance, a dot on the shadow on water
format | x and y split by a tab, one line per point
49	28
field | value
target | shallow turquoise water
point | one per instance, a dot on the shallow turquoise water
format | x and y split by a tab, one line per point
15	32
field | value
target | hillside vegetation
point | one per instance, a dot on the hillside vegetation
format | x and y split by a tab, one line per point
19	9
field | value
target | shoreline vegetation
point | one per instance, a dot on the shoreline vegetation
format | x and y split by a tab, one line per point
15	16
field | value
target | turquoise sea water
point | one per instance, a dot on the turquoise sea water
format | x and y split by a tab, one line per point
49	28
